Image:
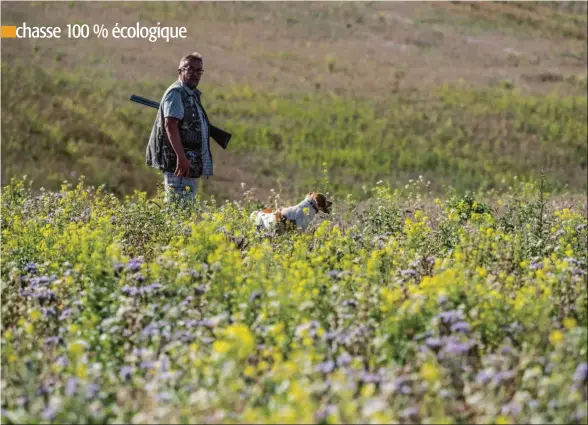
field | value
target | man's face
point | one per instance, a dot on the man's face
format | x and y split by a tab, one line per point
191	71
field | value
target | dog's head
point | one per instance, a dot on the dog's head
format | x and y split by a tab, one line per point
322	203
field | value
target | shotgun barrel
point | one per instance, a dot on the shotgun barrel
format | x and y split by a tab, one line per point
221	136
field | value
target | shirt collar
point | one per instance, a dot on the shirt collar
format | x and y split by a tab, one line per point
191	92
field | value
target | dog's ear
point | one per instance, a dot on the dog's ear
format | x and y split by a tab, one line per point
323	203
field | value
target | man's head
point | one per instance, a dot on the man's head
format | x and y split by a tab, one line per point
191	69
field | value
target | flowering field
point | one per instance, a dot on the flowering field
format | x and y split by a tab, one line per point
467	309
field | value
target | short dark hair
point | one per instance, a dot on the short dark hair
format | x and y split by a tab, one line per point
194	55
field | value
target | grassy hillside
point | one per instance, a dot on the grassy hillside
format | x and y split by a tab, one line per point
467	95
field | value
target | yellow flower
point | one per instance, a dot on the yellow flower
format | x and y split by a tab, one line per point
77	348
430	372
556	337
570	323
82	371
221	346
503	420
249	371
35	315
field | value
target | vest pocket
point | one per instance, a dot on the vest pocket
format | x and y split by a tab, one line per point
195	159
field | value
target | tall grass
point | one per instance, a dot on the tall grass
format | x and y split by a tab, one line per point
455	135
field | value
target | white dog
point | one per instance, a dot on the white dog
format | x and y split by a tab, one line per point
299	215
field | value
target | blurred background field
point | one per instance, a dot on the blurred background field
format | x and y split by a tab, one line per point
464	94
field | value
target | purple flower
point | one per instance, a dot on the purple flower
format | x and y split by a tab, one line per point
207	323
536	265
512	409
65	314
92	391
451	316
139	278
150	330
461	327
134	264
62	361
322	415
70	386
334	274
503	377
52	340
332	335
409	412
30	268
49	312
344	359
325	367
433	343
350	303
506	349
147	364
125	373
581	374
446	394
515	327
164	396
40	294
402	384
49	413
370	377
129	290
42	280
254	296
456	347
483	377
408	272
559	233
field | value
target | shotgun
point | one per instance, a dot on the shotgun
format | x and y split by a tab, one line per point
221	136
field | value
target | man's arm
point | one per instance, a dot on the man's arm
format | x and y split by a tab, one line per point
173	111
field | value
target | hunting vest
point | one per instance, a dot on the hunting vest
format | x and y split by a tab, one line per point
160	153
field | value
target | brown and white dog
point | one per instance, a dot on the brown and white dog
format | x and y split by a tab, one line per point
299	215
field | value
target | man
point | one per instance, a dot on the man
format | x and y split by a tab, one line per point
179	144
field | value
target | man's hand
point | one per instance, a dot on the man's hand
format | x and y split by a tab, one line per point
182	166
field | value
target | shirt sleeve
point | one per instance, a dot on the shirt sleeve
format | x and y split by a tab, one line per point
172	105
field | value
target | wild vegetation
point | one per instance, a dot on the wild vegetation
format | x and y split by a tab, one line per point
467	309
448	285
